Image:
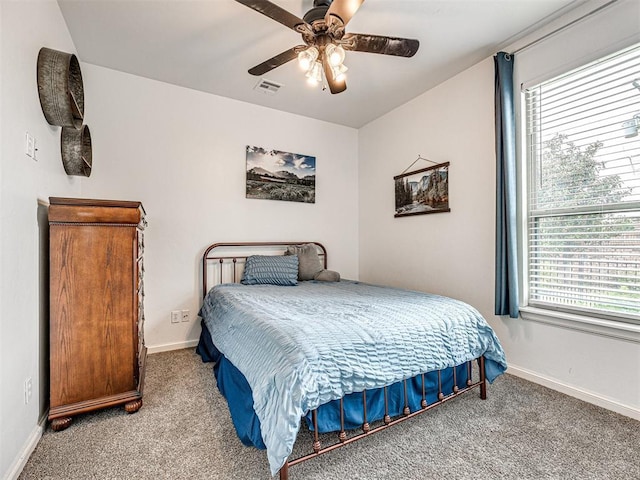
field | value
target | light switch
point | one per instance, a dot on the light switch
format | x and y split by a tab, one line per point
30	146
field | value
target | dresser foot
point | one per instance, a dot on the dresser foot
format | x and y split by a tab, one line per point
58	424
133	406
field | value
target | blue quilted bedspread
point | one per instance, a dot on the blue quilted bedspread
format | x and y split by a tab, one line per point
302	346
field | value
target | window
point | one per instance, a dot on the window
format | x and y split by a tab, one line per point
583	196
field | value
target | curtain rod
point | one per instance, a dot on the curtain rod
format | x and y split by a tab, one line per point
563	27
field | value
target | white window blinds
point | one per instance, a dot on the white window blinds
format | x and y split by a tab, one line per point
583	152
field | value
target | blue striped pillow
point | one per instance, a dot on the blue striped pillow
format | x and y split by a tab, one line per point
270	269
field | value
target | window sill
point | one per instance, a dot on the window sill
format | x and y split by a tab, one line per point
583	323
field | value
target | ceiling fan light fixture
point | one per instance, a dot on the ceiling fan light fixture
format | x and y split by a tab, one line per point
338	72
335	54
314	74
323	33
306	58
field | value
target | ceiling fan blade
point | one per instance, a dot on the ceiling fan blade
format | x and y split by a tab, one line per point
276	61
276	13
334	85
401	47
343	9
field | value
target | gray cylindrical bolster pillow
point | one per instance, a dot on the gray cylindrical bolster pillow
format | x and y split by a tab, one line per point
327	276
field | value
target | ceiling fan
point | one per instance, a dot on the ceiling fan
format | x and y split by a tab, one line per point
323	32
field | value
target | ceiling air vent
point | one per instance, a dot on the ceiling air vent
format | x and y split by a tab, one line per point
267	86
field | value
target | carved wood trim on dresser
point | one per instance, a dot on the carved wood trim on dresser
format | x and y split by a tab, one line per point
97	350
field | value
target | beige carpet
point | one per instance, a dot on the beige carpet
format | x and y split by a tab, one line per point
183	431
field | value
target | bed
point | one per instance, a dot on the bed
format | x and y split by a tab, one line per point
332	356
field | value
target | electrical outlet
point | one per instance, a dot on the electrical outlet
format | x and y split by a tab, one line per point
28	390
176	316
185	315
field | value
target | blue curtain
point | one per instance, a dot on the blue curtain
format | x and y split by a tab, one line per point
506	301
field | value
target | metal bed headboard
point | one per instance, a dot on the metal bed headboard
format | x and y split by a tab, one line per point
224	262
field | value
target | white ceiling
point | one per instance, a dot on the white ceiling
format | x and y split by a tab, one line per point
209	45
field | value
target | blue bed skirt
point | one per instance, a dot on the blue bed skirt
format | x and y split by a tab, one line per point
234	388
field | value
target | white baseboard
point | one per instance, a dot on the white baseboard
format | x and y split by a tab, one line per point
27	449
167	347
575	392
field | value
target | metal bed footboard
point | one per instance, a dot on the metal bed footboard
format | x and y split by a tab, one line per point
387	421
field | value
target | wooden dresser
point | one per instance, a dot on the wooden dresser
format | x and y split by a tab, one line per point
97	351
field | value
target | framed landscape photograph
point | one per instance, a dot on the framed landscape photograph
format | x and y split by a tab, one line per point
422	191
276	175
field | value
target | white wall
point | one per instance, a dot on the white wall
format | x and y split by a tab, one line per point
25	27
453	253
432	252
182	153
